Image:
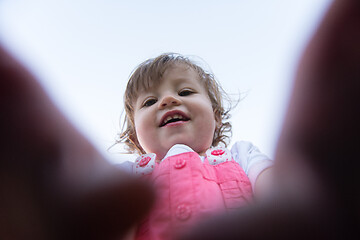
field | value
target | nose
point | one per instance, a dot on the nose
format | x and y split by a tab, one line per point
168	101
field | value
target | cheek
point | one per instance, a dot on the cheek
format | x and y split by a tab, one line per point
143	130
208	120
212	125
206	131
213	122
139	126
209	114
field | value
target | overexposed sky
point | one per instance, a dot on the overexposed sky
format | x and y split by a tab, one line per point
83	52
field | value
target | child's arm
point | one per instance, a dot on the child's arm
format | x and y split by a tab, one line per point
264	184
256	165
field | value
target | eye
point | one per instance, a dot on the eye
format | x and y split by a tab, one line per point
185	92
149	102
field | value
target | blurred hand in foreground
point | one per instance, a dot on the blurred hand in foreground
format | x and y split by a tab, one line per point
53	183
317	191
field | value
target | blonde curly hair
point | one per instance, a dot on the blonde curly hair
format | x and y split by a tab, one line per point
149	73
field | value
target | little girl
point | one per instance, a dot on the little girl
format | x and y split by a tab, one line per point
176	121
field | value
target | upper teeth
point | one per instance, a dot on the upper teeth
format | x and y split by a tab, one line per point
176	116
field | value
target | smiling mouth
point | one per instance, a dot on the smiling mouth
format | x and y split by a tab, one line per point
173	118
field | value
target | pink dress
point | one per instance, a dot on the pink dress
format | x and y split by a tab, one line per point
189	189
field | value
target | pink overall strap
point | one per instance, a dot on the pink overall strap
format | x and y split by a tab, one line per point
233	182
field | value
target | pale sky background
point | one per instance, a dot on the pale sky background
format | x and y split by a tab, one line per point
83	52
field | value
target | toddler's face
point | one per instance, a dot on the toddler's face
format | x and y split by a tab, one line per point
178	110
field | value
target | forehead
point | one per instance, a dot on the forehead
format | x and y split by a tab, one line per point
180	72
175	74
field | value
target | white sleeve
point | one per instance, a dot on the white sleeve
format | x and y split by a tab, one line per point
250	159
124	162
126	166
